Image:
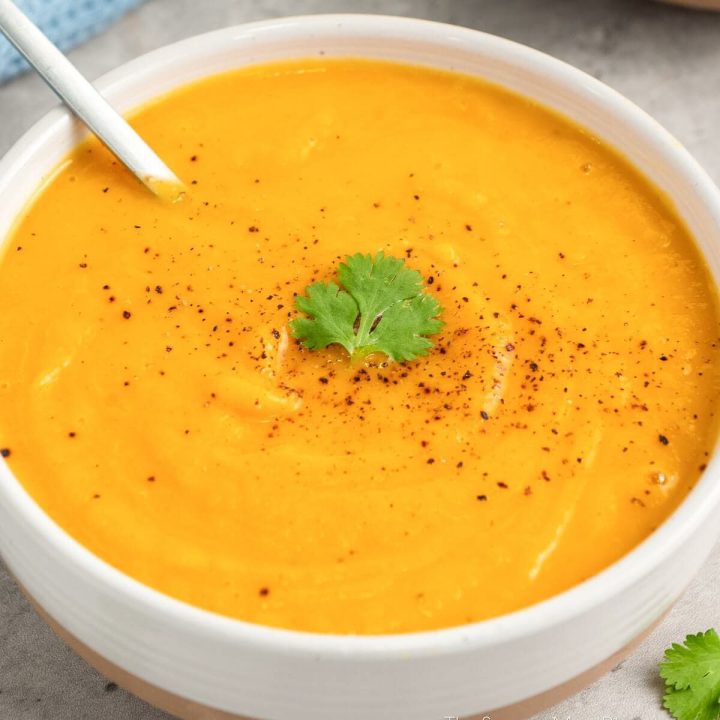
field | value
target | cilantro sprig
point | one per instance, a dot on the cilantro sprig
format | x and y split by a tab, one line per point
692	677
379	307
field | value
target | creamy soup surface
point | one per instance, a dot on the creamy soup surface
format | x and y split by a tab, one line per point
154	403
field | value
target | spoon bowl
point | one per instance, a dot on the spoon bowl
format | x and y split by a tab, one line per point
88	104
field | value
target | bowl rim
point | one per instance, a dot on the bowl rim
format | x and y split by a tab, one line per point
700	502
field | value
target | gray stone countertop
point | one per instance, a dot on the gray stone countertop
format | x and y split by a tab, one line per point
665	59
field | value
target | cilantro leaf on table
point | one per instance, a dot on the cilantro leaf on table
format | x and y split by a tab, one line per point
380	308
692	677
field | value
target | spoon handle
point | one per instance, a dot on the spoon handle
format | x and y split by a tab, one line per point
87	103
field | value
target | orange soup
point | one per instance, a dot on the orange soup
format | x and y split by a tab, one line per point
155	404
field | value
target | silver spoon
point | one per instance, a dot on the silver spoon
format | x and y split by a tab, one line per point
87	103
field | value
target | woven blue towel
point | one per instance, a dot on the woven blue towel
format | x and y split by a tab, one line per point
66	22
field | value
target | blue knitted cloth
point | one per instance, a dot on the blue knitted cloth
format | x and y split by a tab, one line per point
66	22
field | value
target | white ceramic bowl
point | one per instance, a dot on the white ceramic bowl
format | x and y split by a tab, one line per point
274	674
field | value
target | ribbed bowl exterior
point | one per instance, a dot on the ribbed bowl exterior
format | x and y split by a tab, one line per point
282	675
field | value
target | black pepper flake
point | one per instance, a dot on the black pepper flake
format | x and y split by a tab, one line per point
467	375
151	478
71	434
264	592
324	380
127	314
430	461
253	229
482	498
663	439
111	687
484	415
158	289
502	485
663	358
5	452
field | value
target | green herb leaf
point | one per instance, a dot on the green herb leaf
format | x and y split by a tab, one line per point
382	308
692	677
401	332
334	313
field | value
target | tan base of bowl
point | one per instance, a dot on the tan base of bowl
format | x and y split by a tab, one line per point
188	710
